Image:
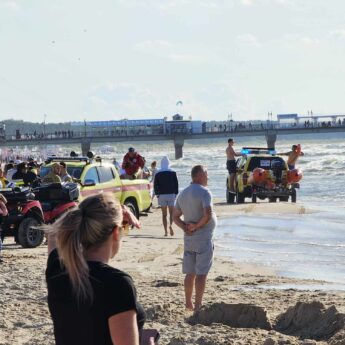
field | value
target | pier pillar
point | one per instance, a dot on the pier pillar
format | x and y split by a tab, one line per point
178	143
85	146
271	139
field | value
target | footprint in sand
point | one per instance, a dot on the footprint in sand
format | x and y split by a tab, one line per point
148	258
178	250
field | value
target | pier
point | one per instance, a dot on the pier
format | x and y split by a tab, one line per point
85	140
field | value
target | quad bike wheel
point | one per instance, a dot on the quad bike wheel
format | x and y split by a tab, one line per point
29	235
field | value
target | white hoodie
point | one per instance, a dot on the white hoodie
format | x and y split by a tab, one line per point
165	164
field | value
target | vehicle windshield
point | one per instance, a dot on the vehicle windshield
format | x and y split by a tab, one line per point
264	162
75	172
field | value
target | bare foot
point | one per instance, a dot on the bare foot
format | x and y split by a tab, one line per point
189	306
171	231
166	234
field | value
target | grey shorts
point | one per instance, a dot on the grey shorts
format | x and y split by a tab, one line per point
197	257
166	200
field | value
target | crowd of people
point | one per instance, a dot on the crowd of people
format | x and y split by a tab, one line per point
27	173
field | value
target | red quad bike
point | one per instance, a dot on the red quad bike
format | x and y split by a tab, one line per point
56	199
25	215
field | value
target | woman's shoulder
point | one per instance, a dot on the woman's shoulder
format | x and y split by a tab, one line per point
110	275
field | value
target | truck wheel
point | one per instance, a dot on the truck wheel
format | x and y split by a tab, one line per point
29	236
132	205
148	209
294	196
239	197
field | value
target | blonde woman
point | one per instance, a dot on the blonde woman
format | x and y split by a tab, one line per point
91	302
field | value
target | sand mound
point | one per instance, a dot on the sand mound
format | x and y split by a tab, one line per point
310	320
233	315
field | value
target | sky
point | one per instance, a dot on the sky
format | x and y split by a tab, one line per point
113	59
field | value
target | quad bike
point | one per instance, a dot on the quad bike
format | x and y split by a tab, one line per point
56	199
29	209
25	215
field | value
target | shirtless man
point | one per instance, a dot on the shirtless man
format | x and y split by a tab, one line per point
231	163
292	156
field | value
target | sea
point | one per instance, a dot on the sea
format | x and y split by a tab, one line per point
308	245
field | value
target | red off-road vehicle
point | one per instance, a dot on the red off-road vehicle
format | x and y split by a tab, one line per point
25	215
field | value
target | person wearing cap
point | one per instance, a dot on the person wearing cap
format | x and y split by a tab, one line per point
133	164
53	176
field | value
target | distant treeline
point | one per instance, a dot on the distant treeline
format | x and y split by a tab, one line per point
30	127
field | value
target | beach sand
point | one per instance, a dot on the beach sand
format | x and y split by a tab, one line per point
236	310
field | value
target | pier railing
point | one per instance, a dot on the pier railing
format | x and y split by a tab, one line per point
132	132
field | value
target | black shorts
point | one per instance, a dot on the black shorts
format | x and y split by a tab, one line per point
231	166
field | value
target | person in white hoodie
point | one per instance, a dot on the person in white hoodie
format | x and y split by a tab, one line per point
166	188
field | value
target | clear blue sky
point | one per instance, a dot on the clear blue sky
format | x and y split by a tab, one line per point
113	59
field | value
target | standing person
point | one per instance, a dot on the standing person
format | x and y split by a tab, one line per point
3	213
292	156
153	170
54	175
166	188
64	175
231	163
116	165
10	170
194	203
89	301
133	164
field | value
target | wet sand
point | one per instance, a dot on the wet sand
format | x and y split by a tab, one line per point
239	307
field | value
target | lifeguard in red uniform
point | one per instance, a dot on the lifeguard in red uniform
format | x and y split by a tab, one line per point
133	164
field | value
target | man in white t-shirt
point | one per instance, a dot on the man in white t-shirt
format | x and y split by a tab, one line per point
10	172
195	204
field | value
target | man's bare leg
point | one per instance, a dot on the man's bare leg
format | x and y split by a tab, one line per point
171	210
200	284
164	219
189	281
232	182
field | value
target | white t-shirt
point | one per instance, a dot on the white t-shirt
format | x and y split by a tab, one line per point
10	173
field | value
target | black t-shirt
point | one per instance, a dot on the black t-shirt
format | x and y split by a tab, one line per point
29	178
84	322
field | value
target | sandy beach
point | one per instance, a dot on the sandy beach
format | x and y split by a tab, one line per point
239	305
